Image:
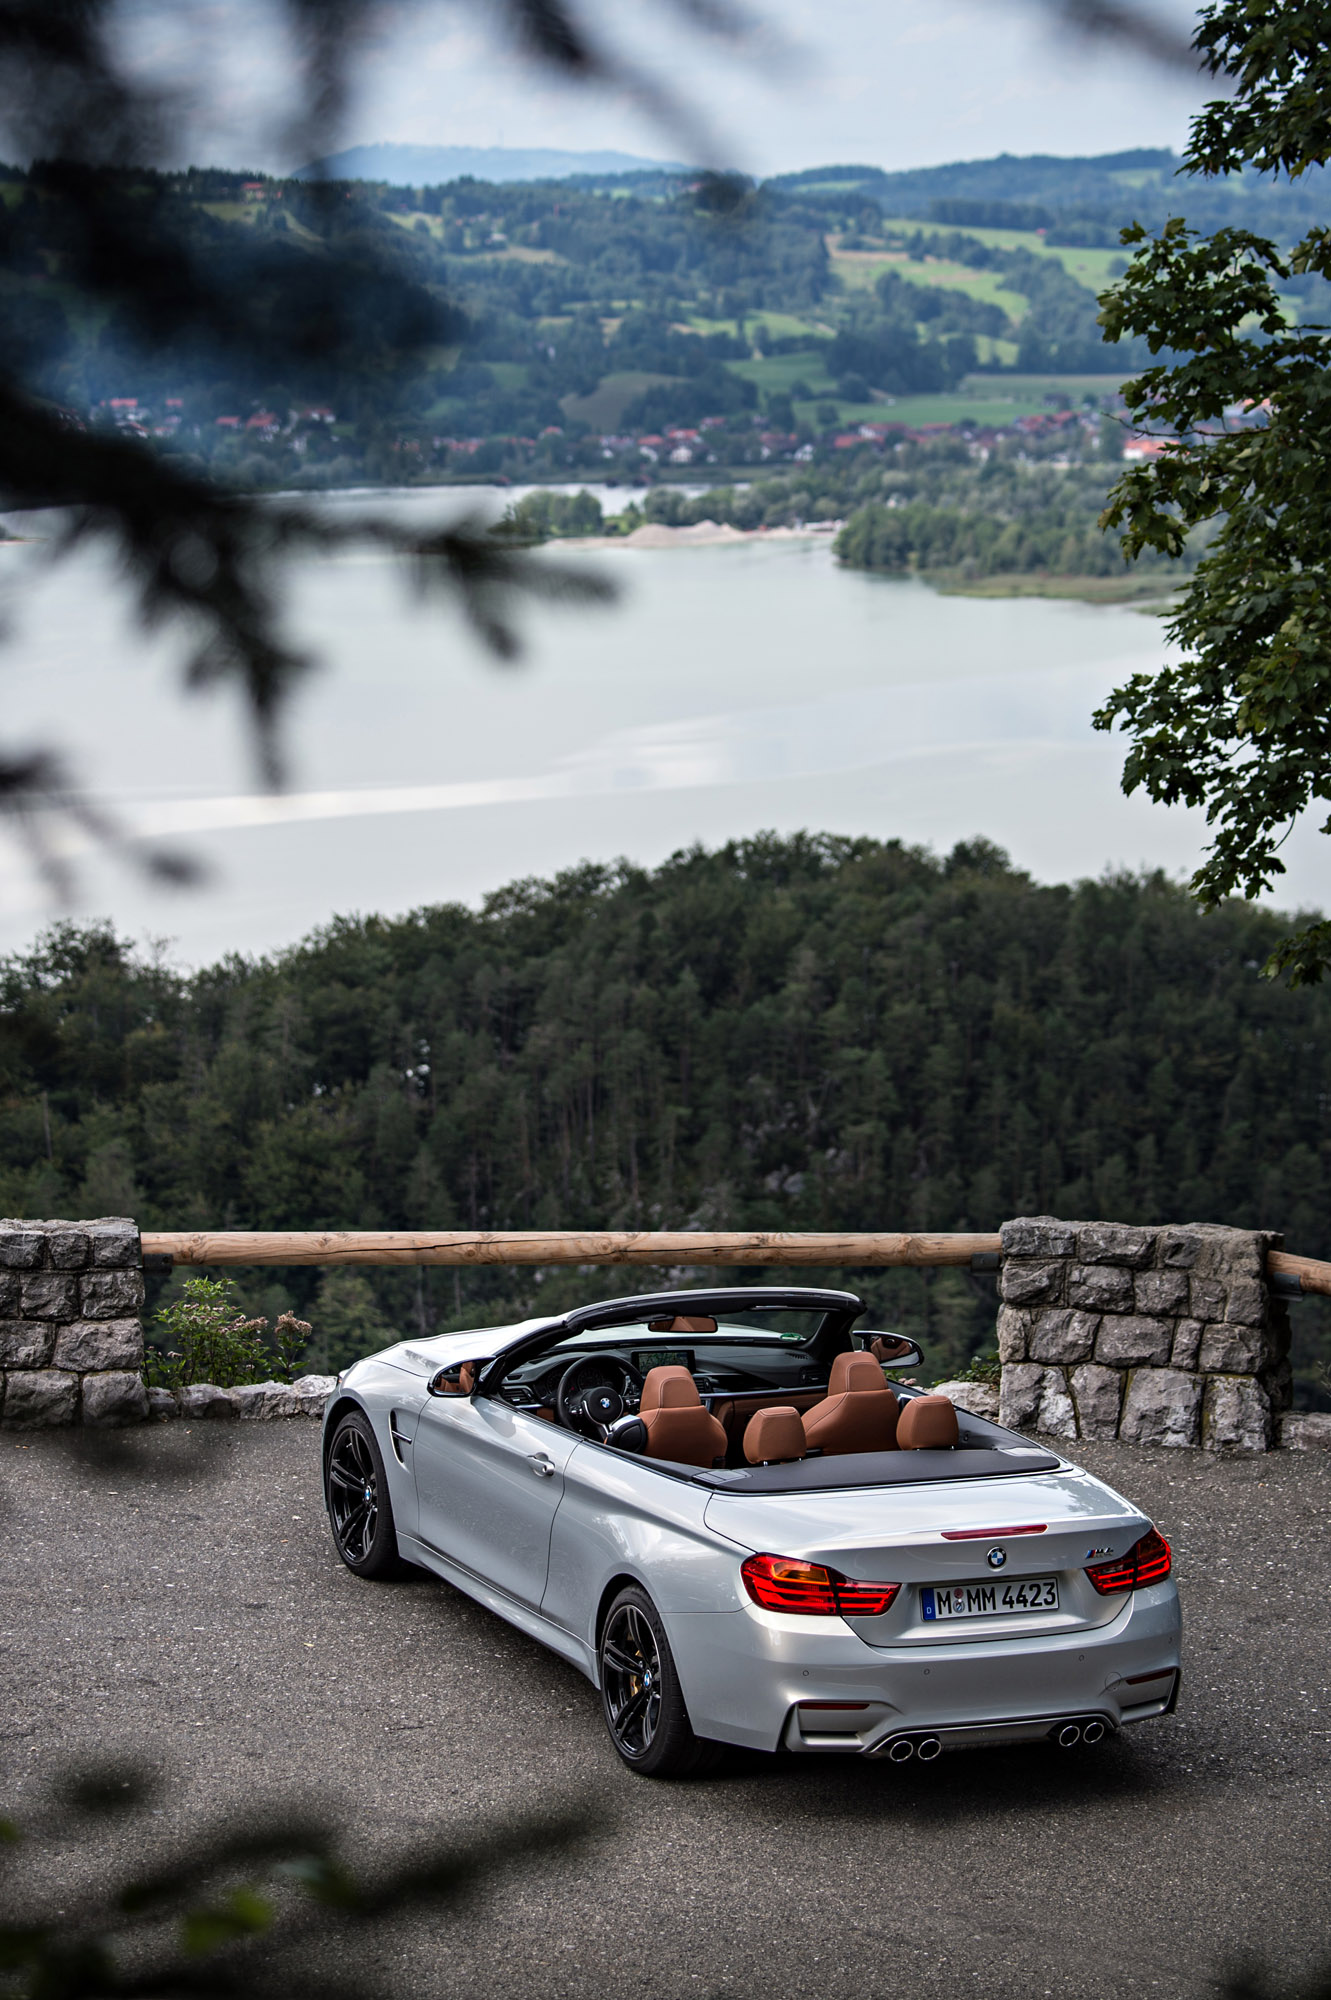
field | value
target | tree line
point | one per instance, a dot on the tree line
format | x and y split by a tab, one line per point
793	1033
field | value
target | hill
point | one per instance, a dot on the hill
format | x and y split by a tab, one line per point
799	1033
415	166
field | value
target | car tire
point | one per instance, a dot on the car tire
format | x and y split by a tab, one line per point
360	1513
641	1698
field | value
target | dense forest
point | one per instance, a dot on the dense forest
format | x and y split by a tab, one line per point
811	1032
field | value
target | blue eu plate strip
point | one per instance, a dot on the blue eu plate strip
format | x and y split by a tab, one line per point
927	1602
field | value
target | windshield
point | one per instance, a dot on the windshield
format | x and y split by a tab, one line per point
769	1325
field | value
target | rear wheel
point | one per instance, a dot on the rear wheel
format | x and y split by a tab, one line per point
360	1512
640	1694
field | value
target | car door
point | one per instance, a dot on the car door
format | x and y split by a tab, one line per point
489	1479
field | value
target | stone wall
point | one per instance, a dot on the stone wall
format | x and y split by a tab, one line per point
1166	1336
71	1328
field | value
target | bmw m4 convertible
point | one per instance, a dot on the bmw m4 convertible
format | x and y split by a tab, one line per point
722	1510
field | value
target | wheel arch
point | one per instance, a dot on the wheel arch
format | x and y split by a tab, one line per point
618	1582
333	1416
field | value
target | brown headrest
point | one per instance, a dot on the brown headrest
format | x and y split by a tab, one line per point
926	1423
852	1372
669	1389
774	1436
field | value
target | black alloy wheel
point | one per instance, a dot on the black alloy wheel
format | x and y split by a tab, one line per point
360	1512
640	1694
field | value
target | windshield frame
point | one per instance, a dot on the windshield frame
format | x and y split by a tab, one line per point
840	1309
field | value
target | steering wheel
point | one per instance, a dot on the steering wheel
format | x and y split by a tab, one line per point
584	1401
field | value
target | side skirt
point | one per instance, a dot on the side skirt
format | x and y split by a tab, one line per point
528	1621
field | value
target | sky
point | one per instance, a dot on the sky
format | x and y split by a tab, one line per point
893	83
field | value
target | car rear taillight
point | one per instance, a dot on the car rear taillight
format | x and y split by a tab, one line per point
1147	1561
780	1583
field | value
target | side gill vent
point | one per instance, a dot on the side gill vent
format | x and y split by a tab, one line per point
401	1441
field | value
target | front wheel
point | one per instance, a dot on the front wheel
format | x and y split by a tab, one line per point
360	1512
640	1694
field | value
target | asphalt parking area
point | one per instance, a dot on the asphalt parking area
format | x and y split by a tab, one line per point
190	1611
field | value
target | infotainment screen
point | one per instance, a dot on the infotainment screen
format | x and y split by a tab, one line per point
663	1357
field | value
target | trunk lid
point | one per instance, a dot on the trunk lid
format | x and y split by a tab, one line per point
935	1537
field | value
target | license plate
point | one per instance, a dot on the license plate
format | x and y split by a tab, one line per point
989	1600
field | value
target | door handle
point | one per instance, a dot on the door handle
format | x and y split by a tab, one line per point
542	1466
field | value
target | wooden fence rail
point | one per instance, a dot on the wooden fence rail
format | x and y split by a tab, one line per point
875	1248
562	1246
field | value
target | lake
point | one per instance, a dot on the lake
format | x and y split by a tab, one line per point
730	690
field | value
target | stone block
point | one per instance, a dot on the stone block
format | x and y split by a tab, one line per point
9	1291
115	1241
162	1403
1232	1253
319	1387
115	1398
21	1249
1100	1287
1230	1350
1035	1398
1206	1298
48	1295
266	1399
100	1344
1038	1236
977	1399
1236	1415
205	1399
1023	1283
67	1249
1114	1243
1187	1341
110	1294
1162	1406
1178	1249
1014	1327
1128	1340
1162	1292
1309	1430
25	1343
1247	1302
40	1400
1062	1336
1097	1393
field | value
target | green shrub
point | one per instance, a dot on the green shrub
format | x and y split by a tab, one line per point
204	1336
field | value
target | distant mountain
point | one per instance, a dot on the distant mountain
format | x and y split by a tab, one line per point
428	166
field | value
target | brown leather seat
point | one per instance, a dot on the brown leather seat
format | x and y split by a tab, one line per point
774	1437
677	1425
927	1423
859	1412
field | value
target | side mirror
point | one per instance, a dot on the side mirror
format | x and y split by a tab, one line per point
893	1350
459	1380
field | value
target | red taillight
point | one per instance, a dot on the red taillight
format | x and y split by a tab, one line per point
1147	1561
780	1583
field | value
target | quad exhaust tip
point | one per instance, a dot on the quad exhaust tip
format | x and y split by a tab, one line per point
1092	1730
902	1748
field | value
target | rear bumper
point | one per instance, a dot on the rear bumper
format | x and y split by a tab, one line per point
750	1677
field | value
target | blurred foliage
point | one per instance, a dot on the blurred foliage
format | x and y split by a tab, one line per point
268	1907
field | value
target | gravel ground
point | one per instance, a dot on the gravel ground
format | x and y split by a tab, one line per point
183	1605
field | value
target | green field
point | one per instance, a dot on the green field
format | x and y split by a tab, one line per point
775	374
859	270
955	407
1088	267
604	408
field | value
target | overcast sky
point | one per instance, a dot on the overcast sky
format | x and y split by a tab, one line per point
897	83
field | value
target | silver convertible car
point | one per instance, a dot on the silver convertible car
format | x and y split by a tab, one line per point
717	1505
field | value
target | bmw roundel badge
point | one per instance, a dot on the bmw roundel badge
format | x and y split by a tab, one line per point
996	1558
